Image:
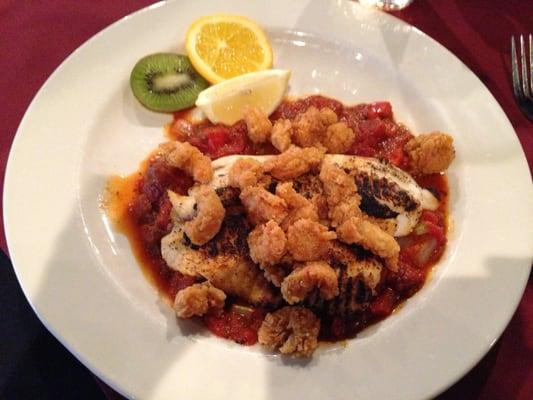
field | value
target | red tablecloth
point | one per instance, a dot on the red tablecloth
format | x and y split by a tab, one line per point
36	36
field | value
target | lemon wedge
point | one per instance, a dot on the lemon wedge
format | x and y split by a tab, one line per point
223	102
223	46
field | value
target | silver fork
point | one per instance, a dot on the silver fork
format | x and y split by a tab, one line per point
522	84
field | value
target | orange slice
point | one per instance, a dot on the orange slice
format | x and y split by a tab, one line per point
225	46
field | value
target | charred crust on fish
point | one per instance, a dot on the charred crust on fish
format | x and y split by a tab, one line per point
382	188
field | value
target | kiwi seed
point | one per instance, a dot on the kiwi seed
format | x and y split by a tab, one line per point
166	82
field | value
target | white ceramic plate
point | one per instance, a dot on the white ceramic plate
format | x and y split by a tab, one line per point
85	285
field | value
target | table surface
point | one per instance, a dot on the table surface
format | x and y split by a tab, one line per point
36	36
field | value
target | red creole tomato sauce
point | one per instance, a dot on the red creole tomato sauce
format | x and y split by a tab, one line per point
237	326
146	212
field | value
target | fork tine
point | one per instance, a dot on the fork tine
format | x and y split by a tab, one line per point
516	78
525	84
531	62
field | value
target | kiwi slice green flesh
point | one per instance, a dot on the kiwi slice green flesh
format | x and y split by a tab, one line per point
166	82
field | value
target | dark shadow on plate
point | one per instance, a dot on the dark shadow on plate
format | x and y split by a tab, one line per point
33	364
68	299
297	362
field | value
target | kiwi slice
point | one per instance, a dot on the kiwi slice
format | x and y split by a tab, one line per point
166	82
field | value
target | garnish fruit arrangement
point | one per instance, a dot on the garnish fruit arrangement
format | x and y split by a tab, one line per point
219	47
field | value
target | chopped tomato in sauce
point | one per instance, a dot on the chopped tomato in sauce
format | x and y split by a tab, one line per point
384	304
239	327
